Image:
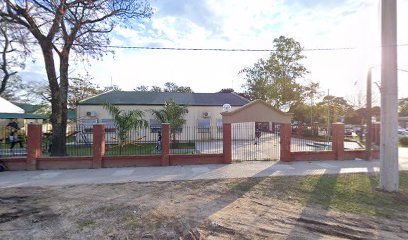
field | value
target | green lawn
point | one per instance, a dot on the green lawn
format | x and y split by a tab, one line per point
354	193
132	149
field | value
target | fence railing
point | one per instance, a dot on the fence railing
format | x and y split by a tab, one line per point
78	140
13	142
141	141
253	143
196	140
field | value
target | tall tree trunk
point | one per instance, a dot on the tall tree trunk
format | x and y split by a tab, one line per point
58	114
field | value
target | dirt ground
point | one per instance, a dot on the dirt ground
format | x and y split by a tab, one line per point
257	208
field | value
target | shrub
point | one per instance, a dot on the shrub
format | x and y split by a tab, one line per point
404	141
307	132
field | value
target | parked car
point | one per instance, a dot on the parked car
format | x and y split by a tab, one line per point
348	132
402	132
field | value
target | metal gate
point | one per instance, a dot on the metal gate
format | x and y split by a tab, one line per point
255	141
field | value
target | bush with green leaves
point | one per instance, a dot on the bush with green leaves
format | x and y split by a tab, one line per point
173	114
404	141
125	121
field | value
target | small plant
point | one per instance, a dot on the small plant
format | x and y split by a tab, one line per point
173	114
404	141
125	121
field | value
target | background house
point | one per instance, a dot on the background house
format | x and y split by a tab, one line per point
204	113
9	110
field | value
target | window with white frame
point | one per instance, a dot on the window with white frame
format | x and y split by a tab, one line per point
86	125
203	125
155	125
109	123
219	124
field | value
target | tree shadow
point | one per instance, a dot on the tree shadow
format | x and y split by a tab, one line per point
234	193
322	195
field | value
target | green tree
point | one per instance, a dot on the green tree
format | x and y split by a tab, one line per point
335	106
274	79
156	89
168	87
13	53
173	114
226	90
173	87
61	28
403	107
142	88
125	121
312	92
81	87
301	112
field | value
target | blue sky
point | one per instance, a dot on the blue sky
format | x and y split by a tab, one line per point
246	24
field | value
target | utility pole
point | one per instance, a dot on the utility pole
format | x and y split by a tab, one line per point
389	172
328	115
368	116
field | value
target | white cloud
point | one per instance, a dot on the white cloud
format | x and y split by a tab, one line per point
249	24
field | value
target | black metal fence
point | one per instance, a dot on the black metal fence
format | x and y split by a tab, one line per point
196	140
13	142
307	139
140	141
310	139
251	143
78	140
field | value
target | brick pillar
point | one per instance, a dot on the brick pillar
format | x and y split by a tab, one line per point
285	137
299	129
34	142
315	128
338	140
376	133
98	145
227	143
165	144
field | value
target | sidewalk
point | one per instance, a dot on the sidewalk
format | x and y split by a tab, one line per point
191	172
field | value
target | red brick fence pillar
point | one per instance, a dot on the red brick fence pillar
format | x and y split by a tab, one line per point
376	133
165	144
34	143
98	145
227	143
285	137
338	140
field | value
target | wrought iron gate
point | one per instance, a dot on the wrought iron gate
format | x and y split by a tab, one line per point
253	141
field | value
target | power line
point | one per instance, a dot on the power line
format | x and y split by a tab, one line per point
222	49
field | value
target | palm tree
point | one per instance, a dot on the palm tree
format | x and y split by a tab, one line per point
173	114
125	121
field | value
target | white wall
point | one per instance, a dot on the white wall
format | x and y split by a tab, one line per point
195	113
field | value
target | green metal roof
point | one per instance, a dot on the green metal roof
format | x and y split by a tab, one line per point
158	98
21	116
28	108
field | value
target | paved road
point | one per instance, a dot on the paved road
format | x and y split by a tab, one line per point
173	173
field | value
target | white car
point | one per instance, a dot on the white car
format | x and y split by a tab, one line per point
402	132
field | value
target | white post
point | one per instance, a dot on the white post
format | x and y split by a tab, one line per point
389	174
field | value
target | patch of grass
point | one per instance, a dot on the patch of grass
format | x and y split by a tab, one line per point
85	223
355	193
131	149
131	220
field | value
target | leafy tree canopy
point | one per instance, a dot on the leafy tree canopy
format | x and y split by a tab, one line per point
403	107
226	90
173	114
274	79
63	27
168	87
125	121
